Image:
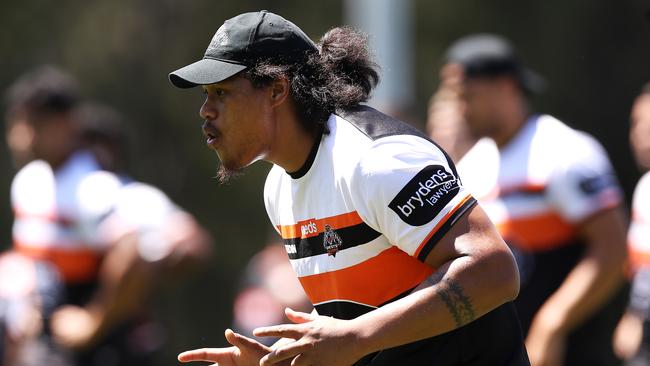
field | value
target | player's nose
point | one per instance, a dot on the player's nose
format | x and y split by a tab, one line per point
207	112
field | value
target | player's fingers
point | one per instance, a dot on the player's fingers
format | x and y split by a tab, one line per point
298	316
242	342
206	355
293	331
286	352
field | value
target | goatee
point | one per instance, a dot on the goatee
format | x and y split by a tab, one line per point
224	175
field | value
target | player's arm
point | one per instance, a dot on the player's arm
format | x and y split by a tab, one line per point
476	273
629	331
125	281
587	287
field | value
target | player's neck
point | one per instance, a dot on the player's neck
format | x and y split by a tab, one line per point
294	144
511	123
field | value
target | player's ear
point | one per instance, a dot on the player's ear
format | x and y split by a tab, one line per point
279	90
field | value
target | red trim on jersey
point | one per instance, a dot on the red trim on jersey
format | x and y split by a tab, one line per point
527	187
46	216
637	258
74	265
449	215
540	232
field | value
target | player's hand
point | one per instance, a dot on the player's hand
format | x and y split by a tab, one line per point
546	342
319	340
244	352
74	327
628	335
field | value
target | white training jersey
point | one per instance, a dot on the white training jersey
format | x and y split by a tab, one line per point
146	211
359	219
56	214
540	186
69	217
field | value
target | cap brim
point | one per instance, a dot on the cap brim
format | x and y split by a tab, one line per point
204	72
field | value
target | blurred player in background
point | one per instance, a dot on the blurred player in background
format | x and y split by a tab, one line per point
103	242
553	195
445	119
632	337
269	286
401	265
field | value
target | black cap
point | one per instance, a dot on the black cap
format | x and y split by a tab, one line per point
242	41
491	55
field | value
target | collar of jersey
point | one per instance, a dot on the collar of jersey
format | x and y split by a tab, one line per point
309	162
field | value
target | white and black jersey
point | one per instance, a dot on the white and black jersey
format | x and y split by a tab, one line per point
359	219
538	190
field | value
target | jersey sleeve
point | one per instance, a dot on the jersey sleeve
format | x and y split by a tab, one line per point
96	196
146	211
584	182
407	189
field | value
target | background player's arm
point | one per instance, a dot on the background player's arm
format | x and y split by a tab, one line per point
125	281
476	273
587	287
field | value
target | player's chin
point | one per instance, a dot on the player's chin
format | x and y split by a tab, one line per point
226	173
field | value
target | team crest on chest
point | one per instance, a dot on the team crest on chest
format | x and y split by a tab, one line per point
331	241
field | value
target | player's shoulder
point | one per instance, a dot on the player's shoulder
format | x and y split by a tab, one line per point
34	171
397	152
97	192
142	192
375	124
564	143
551	129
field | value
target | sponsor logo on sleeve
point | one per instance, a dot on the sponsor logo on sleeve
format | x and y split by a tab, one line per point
594	184
424	196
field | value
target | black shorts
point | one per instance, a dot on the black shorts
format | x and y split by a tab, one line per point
495	339
591	343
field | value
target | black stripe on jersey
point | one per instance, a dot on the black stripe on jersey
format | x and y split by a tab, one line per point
341	309
376	125
351	236
435	238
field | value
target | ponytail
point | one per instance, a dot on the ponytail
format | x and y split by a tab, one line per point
340	76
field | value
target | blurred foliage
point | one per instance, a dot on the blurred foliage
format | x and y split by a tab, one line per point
595	56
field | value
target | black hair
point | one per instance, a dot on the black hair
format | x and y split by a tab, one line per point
104	131
42	91
338	77
101	123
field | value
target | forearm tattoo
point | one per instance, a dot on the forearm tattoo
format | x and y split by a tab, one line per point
458	304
